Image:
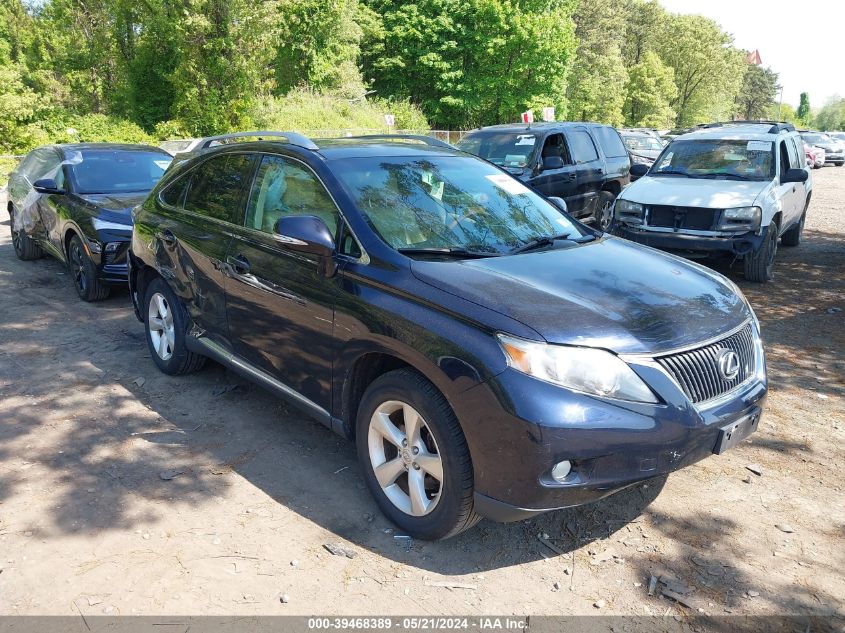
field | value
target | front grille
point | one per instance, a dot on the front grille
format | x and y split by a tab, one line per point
672	217
697	370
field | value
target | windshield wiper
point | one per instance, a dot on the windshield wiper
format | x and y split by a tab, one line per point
548	240
733	176
449	252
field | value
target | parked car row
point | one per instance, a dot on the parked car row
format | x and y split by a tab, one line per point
489	354
833	148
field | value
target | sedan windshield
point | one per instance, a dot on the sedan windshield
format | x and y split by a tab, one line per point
812	139
506	149
116	170
452	204
717	158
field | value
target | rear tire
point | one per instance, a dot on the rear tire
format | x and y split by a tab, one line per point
88	285
759	264
429	500
166	324
25	247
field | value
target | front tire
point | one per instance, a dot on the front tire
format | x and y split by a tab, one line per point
604	212
759	265
415	457
84	271
165	323
25	247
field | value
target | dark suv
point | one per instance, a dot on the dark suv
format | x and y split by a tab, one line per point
586	164
490	355
73	202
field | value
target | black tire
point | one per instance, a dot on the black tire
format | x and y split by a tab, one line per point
604	210
759	264
177	359
453	511
792	237
84	271
25	247
840	164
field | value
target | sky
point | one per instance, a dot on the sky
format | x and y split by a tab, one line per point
804	42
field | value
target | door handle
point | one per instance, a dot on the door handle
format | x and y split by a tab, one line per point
167	237
239	264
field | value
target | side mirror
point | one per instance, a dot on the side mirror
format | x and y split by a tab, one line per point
552	162
638	170
47	185
794	175
560	203
305	234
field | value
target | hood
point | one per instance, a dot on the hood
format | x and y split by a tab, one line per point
611	294
651	154
118	203
693	192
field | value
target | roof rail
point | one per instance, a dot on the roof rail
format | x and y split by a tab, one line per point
293	138
776	126
422	138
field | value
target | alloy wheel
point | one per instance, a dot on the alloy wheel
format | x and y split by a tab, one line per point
160	326
605	215
77	266
405	458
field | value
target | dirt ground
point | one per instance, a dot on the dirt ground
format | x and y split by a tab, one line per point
92	523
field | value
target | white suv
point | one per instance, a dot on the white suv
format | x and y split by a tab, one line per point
730	188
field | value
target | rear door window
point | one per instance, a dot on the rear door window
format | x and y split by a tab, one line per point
581	146
218	186
611	143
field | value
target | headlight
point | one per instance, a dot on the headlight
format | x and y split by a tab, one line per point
642	160
627	211
740	218
585	369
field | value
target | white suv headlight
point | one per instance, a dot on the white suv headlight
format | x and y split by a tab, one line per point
585	369
740	218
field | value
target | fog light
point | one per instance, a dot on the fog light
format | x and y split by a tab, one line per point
561	470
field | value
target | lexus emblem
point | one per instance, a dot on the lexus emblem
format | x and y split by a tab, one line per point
728	364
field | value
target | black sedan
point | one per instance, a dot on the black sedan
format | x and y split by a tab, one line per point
74	202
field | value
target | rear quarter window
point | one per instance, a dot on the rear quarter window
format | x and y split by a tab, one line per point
611	143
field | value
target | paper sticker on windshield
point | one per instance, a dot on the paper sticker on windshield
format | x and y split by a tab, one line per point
759	146
525	139
162	164
511	185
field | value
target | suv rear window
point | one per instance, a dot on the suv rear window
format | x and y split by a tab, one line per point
610	142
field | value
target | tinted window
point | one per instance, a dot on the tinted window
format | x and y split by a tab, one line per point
115	170
612	145
448	202
218	185
581	146
174	193
287	187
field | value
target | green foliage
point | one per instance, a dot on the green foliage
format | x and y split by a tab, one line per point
782	112
831	117
650	92
803	113
307	111
758	92
471	62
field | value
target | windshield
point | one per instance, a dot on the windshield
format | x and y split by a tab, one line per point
635	143
717	158
116	170
816	138
506	149
449	202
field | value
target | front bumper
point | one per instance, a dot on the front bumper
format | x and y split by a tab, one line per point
834	158
520	427
687	244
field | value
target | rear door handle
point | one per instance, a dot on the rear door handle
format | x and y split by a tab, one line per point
167	237
239	263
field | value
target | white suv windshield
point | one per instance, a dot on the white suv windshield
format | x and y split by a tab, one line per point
449	202
717	159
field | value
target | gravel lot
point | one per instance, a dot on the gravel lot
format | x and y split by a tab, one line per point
91	523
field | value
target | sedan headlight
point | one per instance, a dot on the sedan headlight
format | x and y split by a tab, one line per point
747	218
585	369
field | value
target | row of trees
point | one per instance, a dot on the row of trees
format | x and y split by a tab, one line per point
189	67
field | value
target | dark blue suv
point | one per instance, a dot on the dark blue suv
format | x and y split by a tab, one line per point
490	356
